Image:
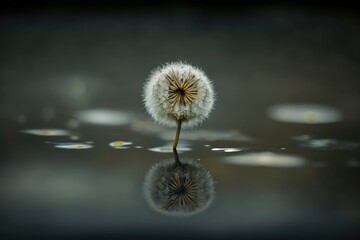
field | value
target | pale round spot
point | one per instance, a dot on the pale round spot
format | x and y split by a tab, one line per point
169	149
227	150
303	137
73	123
48	113
103	117
74	146
353	163
21	118
74	137
327	143
47	132
304	113
120	144
266	159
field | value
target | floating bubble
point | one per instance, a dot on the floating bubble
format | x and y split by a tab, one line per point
47	132
103	117
266	159
304	113
226	149
74	146
169	149
120	144
207	135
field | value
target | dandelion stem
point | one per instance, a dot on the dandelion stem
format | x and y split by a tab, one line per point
178	129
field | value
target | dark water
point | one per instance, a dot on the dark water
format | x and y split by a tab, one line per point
282	144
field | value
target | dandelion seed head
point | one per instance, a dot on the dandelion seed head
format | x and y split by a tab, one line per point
178	91
178	191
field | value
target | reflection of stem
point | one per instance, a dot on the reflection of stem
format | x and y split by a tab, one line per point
177	160
176	140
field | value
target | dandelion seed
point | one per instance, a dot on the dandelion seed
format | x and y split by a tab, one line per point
180	189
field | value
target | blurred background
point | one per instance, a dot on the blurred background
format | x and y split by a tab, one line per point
282	143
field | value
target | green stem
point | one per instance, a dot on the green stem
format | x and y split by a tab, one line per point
178	129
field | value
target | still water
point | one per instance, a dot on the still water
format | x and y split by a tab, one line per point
279	153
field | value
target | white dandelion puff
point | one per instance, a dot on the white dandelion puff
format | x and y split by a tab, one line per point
180	189
178	91
178	94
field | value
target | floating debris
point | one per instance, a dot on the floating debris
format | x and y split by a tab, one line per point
304	113
74	146
227	150
47	132
103	117
266	159
120	144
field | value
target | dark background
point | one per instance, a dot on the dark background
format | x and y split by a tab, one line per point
68	56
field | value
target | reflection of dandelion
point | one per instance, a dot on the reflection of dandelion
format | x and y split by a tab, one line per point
180	189
178	94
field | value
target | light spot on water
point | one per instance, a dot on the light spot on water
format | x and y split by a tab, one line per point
327	143
266	159
138	147
74	146
48	113
353	163
72	123
120	144
304	113
145	126
207	135
47	132
303	137
74	137
227	150
169	149
103	117
207	145
21	118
